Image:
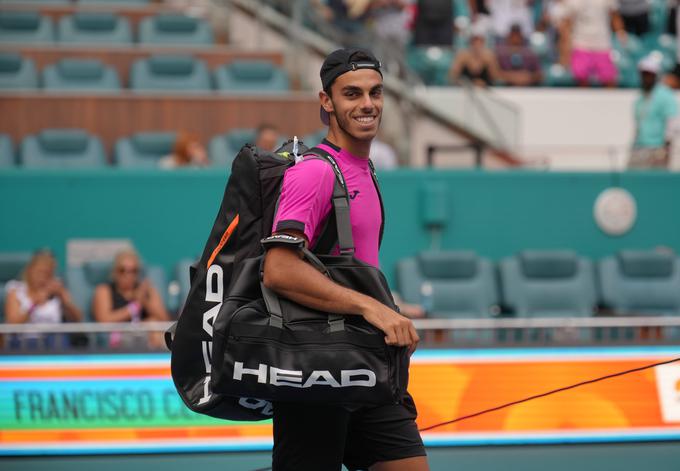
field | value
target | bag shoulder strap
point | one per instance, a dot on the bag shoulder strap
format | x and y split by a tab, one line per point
338	225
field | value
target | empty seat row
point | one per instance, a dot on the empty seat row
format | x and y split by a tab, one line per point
103	28
75	148
533	283
178	73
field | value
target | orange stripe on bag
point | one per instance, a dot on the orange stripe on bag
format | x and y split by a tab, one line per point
223	240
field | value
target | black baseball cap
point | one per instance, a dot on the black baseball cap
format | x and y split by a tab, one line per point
342	61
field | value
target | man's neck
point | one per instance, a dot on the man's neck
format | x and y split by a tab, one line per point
355	147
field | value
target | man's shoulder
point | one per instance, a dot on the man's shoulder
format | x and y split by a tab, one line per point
310	171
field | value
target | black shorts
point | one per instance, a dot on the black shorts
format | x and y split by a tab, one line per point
313	438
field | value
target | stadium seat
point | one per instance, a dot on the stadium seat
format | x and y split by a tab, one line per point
144	149
17	72
548	283
6	151
178	73
224	147
62	148
556	75
431	63
463	284
25	27
637	282
88	28
11	266
82	281
251	76
315	138
80	75
173	29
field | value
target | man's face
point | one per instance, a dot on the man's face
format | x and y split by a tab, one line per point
356	103
647	80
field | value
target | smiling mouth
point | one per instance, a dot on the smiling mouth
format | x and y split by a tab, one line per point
365	119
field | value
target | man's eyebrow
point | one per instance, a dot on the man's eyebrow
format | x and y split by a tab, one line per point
351	88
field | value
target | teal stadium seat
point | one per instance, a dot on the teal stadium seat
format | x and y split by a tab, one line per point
463	284
82	281
79	75
144	149
556	75
11	266
166	73
25	27
175	30
94	28
315	138
223	148
17	72
431	63
62	148
548	283
6	151
637	282
251	76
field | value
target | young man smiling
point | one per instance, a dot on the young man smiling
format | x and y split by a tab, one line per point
322	438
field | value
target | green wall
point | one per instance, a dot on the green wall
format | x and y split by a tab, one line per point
168	213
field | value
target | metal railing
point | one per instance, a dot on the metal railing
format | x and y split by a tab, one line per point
472	333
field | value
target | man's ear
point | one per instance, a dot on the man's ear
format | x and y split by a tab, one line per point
326	102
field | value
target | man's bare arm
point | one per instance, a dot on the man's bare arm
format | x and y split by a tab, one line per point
290	276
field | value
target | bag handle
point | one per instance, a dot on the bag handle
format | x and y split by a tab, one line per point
271	299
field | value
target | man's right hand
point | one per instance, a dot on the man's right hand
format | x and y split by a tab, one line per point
399	330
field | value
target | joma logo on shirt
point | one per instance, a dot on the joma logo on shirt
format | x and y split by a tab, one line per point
293	378
353	194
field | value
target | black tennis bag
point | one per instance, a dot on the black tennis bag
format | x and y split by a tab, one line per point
226	281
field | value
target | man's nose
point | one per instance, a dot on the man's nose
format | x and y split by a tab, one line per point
367	102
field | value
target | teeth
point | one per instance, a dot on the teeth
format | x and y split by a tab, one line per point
364	119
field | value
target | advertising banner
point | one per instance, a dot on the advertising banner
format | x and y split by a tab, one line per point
93	404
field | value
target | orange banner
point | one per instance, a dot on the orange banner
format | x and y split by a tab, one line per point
127	403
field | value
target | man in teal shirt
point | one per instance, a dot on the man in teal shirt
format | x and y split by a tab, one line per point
655	109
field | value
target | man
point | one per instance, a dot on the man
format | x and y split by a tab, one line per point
518	63
383	438
655	110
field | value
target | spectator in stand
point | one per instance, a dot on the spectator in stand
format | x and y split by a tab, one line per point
128	298
477	63
434	23
389	24
40	297
589	27
187	152
656	111
555	16
347	15
267	137
635	15
518	63
504	14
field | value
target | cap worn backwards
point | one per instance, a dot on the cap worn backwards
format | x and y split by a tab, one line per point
342	61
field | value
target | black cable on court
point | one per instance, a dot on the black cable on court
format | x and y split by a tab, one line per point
537	396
